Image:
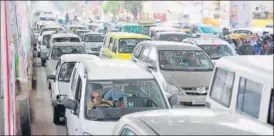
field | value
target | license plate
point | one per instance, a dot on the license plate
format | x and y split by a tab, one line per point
198	102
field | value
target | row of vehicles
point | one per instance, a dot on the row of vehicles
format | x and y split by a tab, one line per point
136	78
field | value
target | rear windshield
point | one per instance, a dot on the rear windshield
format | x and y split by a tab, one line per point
128	45
57	52
173	37
94	38
217	51
50	29
66	39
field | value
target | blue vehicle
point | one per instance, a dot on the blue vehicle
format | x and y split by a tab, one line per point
196	30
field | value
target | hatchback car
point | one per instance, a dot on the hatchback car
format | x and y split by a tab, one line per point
93	42
184	64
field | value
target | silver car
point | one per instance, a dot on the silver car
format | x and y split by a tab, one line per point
56	51
183	65
188	121
93	42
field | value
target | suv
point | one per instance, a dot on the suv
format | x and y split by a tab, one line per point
57	50
185	65
214	47
121	87
61	80
93	42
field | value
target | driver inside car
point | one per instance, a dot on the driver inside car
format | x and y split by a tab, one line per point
96	100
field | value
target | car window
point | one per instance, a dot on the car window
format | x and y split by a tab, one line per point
173	37
145	54
138	50
270	117
217	51
46	39
66	71
127	132
58	63
94	38
184	60
57	52
249	97
114	47
127	45
153	54
78	90
222	86
66	39
73	82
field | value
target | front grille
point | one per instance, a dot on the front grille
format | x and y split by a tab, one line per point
193	91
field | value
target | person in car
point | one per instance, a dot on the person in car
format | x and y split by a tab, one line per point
67	73
115	94
191	61
96	100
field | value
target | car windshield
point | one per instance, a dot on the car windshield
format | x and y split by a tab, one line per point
57	52
46	39
66	71
46	19
80	33
208	30
114	98
94	38
184	60
51	29
217	51
66	39
128	45
173	37
78	28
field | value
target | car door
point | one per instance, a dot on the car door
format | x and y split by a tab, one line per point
55	87
73	121
47	61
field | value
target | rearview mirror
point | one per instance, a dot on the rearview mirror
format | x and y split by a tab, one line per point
70	104
51	77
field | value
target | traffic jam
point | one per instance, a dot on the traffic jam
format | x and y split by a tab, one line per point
155	78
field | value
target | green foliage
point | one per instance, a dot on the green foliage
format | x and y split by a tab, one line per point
134	7
112	7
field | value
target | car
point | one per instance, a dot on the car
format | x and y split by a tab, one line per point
171	36
244	85
93	42
214	47
61	79
76	27
197	30
123	88
188	121
81	32
188	66
154	30
56	51
44	45
64	37
120	45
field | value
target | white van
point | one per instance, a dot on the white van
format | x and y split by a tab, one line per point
244	85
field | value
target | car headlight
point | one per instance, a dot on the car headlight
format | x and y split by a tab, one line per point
87	134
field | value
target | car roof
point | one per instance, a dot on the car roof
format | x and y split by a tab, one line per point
107	69
78	57
91	33
67	44
163	28
127	35
164	33
208	41
169	45
261	65
197	121
64	35
48	32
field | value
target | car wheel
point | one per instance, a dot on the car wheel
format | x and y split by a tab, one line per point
43	62
49	86
56	118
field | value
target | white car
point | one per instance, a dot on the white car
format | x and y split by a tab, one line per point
76	27
214	47
121	87
93	42
56	51
64	37
185	65
188	121
61	79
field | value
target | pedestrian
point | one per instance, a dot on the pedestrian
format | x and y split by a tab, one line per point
258	48
105	30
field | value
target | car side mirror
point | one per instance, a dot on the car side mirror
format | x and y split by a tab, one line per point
51	77
70	104
61	97
173	99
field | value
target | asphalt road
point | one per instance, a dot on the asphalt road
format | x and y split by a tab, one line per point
43	116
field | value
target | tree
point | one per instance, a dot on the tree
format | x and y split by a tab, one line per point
134	7
112	7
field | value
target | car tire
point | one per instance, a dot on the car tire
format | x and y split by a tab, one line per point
43	62
49	86
56	118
